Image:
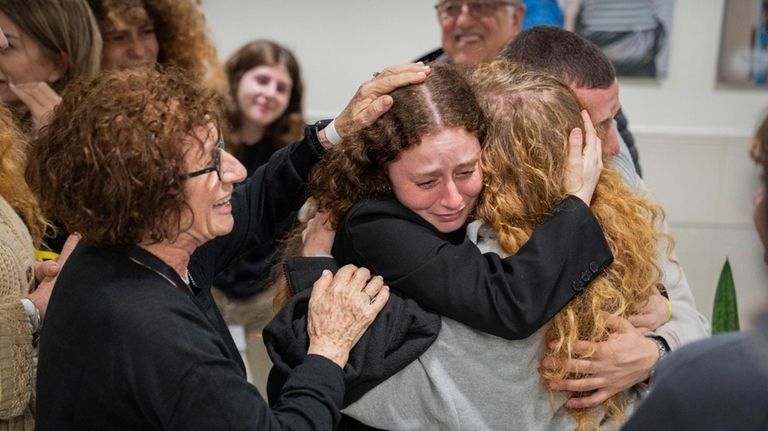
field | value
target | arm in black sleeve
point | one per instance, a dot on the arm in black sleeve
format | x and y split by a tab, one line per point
510	297
220	399
265	200
400	334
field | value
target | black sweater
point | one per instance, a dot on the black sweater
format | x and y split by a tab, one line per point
127	346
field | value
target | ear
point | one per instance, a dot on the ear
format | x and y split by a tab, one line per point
60	67
517	17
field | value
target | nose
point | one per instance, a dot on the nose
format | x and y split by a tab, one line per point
271	89
465	16
137	49
232	171
451	197
3	41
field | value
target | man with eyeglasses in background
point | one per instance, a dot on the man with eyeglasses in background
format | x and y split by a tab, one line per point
477	30
474	31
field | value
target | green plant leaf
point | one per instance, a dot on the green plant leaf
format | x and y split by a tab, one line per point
725	313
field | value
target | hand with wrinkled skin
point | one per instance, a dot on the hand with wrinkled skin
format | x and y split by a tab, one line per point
340	310
318	235
40	98
372	99
585	161
652	315
49	273
620	362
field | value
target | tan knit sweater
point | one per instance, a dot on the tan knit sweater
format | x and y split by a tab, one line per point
17	355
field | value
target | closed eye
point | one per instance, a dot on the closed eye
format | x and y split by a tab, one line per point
465	174
117	37
427	184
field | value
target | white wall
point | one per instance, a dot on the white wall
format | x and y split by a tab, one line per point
692	135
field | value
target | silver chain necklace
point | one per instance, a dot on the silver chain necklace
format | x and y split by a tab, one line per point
173	283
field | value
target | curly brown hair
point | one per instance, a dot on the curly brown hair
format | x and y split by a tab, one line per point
13	186
357	169
524	161
111	163
181	32
288	127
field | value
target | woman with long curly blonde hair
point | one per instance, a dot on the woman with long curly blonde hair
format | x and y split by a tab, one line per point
524	161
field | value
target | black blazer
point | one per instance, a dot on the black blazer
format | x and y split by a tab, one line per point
511	297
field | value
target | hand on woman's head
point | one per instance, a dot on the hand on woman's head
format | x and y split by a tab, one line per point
372	99
341	309
585	161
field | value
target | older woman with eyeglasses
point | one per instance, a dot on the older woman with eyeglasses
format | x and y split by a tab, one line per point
134	340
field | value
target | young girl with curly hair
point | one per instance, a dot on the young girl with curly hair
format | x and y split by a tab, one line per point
401	194
469	378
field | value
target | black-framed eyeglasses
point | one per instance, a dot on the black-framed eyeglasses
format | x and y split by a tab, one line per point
478	8
215	163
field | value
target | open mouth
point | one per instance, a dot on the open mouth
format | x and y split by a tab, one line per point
222	202
468	38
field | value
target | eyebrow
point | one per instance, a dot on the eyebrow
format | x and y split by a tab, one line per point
436	172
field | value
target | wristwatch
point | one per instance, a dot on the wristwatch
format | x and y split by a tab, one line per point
661	344
663	348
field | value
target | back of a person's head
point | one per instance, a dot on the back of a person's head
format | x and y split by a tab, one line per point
117	142
357	168
531	115
564	54
266	53
524	160
65	30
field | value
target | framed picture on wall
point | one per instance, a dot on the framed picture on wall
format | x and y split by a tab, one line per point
743	59
634	34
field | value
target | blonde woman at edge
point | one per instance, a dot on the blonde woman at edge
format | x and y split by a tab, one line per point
25	284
